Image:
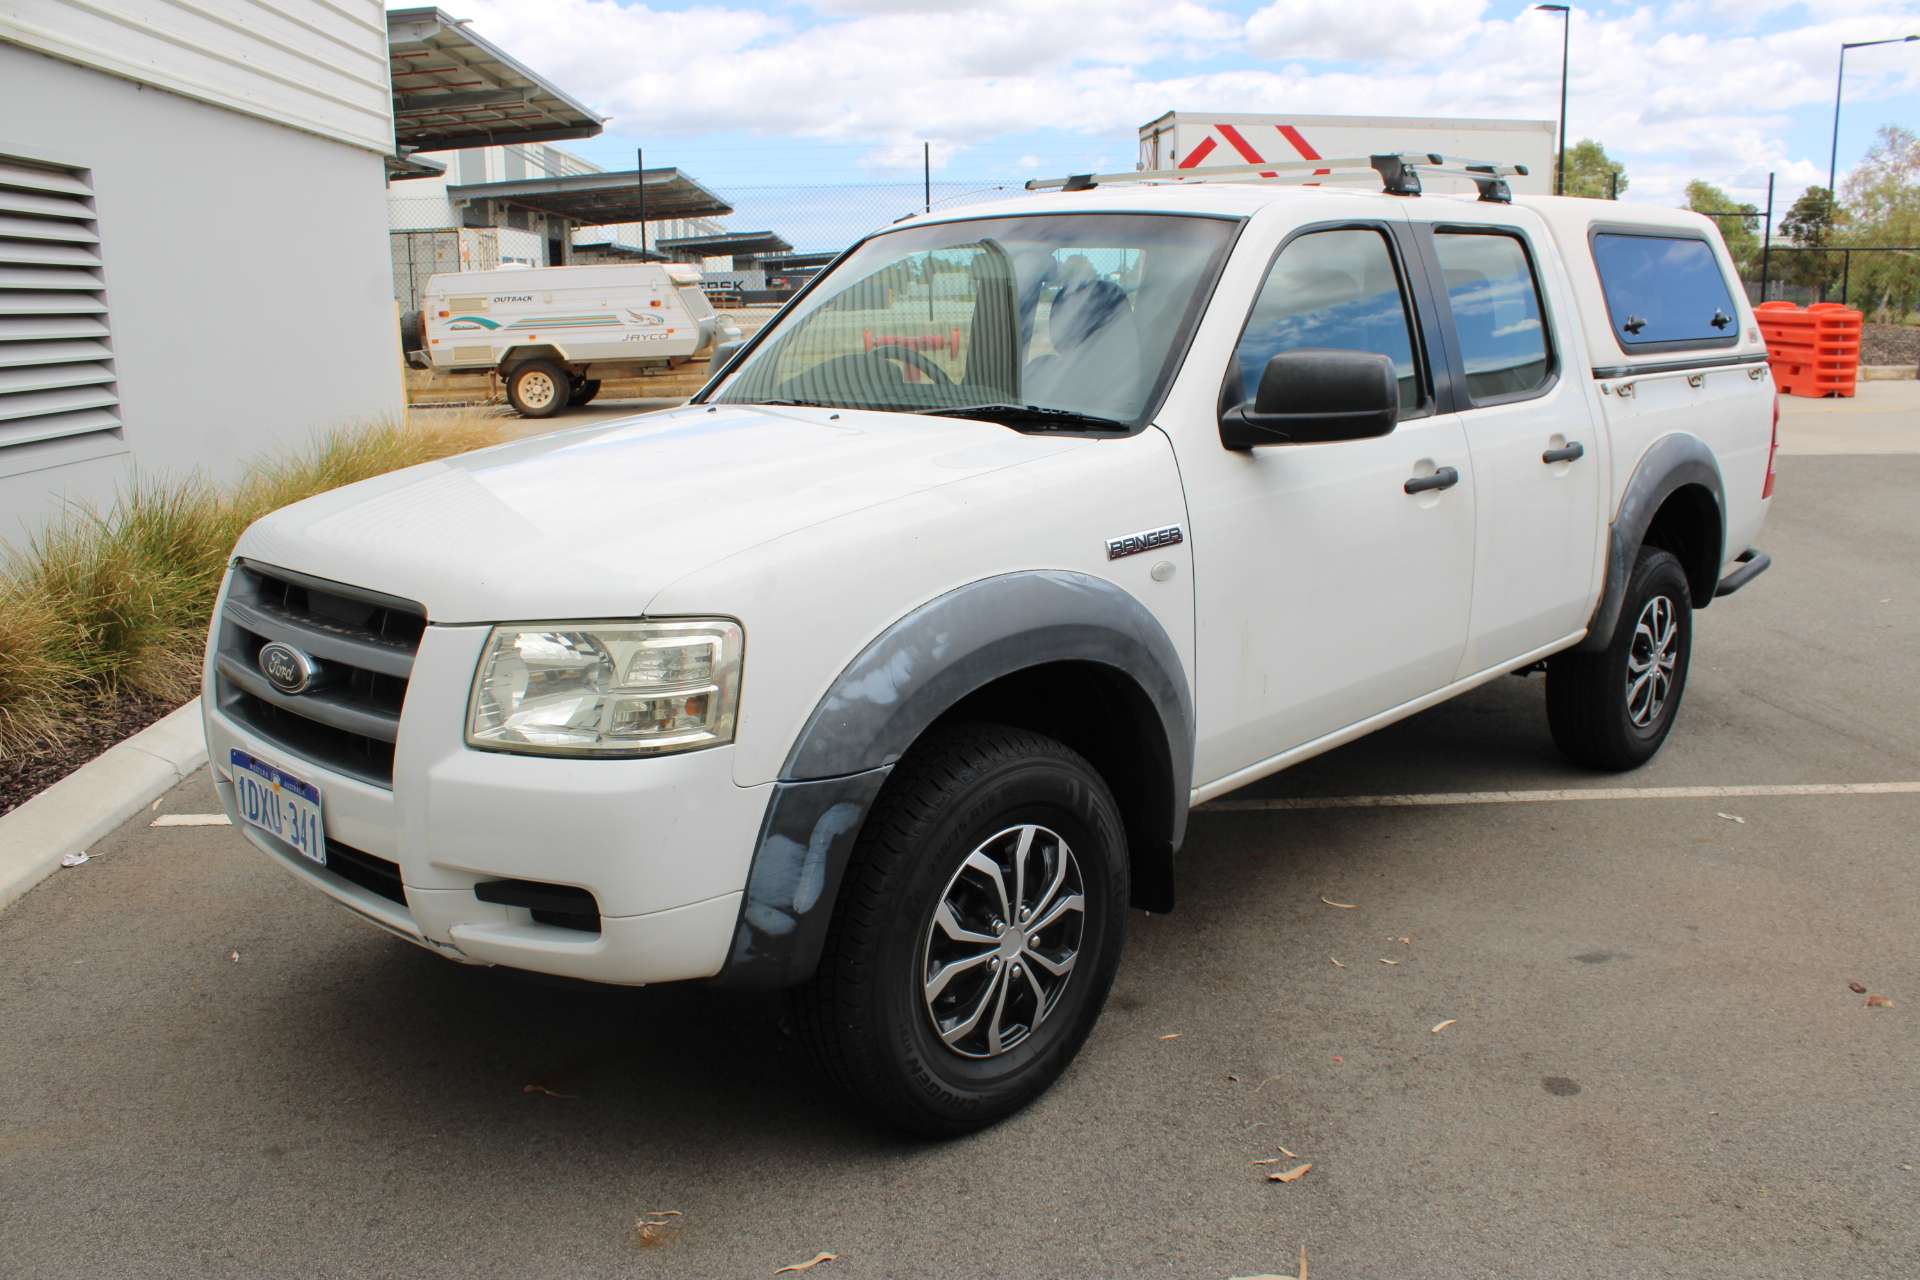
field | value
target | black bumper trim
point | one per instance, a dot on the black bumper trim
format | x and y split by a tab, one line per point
1753	563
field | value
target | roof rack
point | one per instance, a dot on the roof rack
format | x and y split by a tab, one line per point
1398	173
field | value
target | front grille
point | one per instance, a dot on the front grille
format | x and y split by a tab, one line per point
375	875
362	644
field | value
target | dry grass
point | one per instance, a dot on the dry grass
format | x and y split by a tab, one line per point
106	603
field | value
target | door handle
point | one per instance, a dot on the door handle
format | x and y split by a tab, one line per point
1572	453
1444	478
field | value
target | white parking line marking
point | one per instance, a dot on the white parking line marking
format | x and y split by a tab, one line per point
190	820
1554	796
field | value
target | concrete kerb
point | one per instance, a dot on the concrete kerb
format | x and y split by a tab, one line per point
97	797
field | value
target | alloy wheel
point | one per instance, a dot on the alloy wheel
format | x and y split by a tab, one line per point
1001	946
1651	660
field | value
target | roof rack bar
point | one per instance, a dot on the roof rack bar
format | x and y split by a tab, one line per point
1213	172
1399	173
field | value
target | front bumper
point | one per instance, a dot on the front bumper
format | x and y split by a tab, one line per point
663	845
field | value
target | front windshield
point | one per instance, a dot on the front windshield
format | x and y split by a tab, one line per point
1060	317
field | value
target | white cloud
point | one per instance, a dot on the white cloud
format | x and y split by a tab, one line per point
1397	30
1675	103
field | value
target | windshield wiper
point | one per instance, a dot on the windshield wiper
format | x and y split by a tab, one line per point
799	404
1034	415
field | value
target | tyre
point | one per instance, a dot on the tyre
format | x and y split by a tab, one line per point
584	390
977	932
538	388
1612	708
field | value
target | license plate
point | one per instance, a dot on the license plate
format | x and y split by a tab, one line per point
280	804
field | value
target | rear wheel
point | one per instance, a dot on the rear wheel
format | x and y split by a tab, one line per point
538	388
977	934
1613	708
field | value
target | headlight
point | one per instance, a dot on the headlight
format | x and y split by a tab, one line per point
607	688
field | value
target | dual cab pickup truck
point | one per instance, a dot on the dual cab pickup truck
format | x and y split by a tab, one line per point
888	669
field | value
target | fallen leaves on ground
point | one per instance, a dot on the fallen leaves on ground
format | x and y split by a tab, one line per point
1294	1174
1732	817
1289	1154
1438	1027
1270	1160
1879	1002
1173	1035
1301	1276
1384	960
809	1264
1344	906
656	1226
75	859
551	1093
234	955
1856	988
1336	963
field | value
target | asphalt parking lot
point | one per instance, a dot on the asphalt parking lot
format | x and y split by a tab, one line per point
1655	1065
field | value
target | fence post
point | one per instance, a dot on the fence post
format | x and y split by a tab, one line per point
926	174
1766	244
1846	270
640	177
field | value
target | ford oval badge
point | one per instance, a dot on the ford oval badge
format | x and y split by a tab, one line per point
286	668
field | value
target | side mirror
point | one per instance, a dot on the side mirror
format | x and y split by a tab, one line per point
1314	396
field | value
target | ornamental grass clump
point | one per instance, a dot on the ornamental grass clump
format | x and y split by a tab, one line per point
106	604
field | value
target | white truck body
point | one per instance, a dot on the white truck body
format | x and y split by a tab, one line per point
1179	611
1200	140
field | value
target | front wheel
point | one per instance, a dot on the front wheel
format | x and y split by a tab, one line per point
977	933
1612	708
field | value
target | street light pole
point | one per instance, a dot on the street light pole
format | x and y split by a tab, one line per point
1566	35
1840	79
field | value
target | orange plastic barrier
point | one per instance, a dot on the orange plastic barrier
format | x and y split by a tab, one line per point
948	342
1813	352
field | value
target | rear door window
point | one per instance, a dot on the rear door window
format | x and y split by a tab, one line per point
1496	313
1664	291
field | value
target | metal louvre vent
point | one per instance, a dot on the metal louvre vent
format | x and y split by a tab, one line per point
362	643
56	360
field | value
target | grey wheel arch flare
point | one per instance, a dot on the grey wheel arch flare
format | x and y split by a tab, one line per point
1672	463
900	684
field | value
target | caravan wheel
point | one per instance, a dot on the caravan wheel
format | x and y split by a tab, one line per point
538	388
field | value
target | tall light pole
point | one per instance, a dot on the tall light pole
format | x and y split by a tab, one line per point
1833	153
1566	34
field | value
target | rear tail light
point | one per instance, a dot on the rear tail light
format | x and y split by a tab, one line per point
1773	447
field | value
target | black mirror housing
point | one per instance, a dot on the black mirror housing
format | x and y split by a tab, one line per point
1314	396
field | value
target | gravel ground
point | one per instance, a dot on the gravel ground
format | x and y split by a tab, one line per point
26	775
1891	344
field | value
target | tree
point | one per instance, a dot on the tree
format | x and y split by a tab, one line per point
1590	171
1742	234
1809	225
1883	209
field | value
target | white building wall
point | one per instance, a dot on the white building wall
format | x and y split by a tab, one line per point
319	66
247	279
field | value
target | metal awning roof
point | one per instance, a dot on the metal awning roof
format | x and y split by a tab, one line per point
453	89
740	243
621	248
598	198
413	166
798	261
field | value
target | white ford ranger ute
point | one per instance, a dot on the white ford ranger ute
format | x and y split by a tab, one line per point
888	669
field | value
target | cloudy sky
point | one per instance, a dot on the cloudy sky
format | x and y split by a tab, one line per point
786	91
